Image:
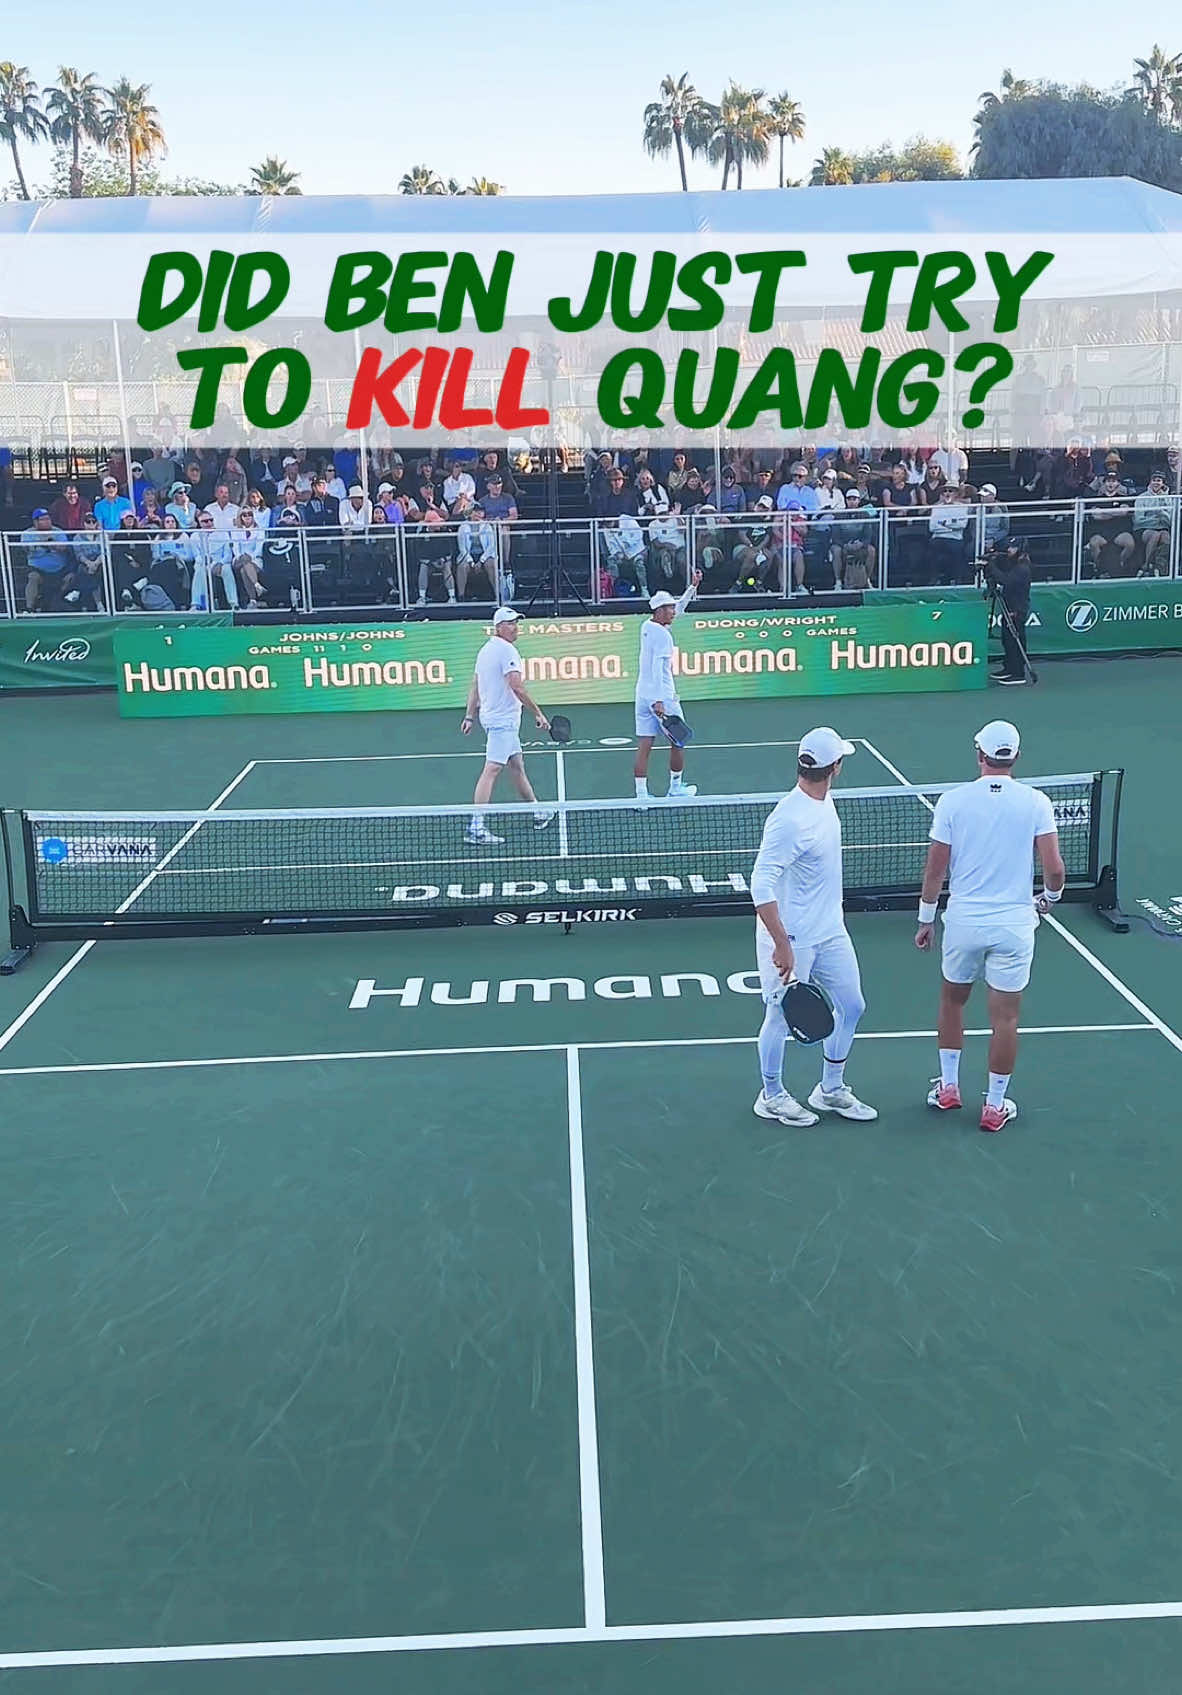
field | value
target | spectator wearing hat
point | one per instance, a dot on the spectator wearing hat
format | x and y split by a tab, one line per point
731	499
69	509
995	520
1110	524
318	510
180	506
110	509
48	559
854	553
289	478
390	503
1113	467
139	484
829	497
616	499
756	552
1151	524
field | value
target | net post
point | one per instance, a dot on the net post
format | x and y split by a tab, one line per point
1107	898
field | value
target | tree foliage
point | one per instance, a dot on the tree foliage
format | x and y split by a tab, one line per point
1052	131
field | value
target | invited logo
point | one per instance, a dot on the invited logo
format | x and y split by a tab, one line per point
73	650
1082	616
97	850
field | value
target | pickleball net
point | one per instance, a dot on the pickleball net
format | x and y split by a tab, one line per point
235	872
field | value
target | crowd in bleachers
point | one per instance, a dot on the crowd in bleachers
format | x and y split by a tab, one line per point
203	529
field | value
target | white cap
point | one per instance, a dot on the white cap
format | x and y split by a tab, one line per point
988	488
385	488
291	460
823	747
505	615
661	598
356	489
999	740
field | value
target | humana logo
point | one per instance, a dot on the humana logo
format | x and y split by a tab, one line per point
899	656
573	668
194	679
422	894
737	662
483	992
373	674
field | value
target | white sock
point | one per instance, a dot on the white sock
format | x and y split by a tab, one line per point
642	788
675	779
833	1075
773	1039
997	1089
950	1067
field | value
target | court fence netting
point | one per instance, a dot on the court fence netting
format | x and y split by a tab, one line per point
106	875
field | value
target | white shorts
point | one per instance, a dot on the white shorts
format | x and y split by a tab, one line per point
831	964
647	722
501	746
999	953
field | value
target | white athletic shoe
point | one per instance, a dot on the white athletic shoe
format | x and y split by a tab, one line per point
687	791
784	1108
481	835
543	820
842	1101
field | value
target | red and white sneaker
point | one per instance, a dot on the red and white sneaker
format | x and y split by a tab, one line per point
944	1097
997	1117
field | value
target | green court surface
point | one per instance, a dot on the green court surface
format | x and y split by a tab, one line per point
427	1311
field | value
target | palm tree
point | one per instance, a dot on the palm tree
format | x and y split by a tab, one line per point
75	110
133	127
740	131
1159	81
482	185
831	168
787	123
421	179
680	119
21	117
273	177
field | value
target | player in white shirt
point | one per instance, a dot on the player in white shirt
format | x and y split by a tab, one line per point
656	691
496	698
984	838
800	933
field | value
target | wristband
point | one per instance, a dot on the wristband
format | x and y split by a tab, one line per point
1052	895
927	911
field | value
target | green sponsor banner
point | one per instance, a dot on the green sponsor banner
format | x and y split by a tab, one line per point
1098	617
73	653
846	650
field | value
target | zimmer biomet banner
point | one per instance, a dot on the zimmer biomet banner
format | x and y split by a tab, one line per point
847	650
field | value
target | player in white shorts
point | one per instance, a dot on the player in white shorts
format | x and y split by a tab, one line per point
800	932
497	696
656	692
984	838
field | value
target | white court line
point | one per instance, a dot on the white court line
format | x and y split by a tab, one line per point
532	747
563	827
80	954
591	1517
1072	940
717	1629
511	1047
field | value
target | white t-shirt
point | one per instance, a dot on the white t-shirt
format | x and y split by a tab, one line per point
500	708
225	518
654	677
799	867
990	825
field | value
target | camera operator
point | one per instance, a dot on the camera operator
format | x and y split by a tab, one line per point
1006	577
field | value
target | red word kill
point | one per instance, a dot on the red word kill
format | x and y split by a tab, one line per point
442	393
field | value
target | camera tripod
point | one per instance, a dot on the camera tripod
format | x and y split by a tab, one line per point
1000	614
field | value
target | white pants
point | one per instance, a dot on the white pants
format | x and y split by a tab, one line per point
832	965
501	746
647	722
201	587
974	948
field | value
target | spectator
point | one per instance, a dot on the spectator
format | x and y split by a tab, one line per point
933	485
954	462
855	549
319	511
1151	521
266	473
1113	467
616	500
907	533
139	484
431	545
947	531
846	465
234	478
85	592
395	476
732	499
995	520
623	544
180	506
160	470
691	495
711	543
49	557
459	482
131	563
389	503
335	486
678	475
760	487
110	509
149	512
1110	517
172	561
290	478
899	492
1069	473
222	510
279	561
476	557
756	554
599	474
914	465
201	486
381	551
652	500
797	494
69	509
829	497
492	464
213	558
666	550
262	512
246	542
289	501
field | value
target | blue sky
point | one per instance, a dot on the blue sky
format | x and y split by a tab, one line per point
550	100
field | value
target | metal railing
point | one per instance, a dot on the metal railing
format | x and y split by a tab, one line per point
596	560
